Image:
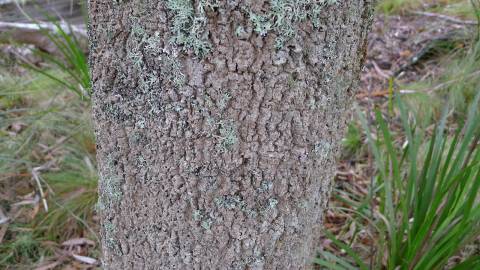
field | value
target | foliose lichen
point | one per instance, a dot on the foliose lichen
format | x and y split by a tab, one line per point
285	15
190	21
265	186
206	220
228	135
188	24
229	202
109	238
111	186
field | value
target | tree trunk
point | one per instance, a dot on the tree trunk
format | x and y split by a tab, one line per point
218	124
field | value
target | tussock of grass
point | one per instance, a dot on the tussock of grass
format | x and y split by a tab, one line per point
353	141
44	124
423	206
26	248
457	85
456	8
396	6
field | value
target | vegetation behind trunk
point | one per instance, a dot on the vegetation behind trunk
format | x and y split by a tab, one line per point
218	125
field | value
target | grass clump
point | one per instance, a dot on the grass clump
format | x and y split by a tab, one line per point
45	132
25	250
70	59
457	83
353	141
458	8
395	6
423	206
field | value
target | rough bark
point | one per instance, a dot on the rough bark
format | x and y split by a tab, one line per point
222	161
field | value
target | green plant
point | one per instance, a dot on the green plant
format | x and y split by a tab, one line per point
395	6
460	8
352	143
457	84
69	58
73	201
41	123
423	207
25	248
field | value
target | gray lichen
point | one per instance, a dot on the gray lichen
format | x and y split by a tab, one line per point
262	24
189	23
110	185
229	202
222	104
265	186
109	238
205	220
285	15
172	69
197	215
228	135
207	223
322	149
272	203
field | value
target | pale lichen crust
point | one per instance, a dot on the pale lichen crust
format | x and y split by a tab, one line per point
284	17
189	22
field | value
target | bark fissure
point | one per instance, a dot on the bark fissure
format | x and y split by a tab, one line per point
222	161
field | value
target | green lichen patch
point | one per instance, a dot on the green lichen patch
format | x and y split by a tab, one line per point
261	23
151	45
285	16
272	203
322	149
172	70
109	239
207	224
197	215
268	206
110	186
228	135
206	221
229	202
189	23
222	104
265	186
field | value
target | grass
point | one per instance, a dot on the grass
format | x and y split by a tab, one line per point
70	59
457	84
352	142
26	248
423	205
47	159
396	6
44	125
457	8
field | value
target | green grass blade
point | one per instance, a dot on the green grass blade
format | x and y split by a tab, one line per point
347	249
